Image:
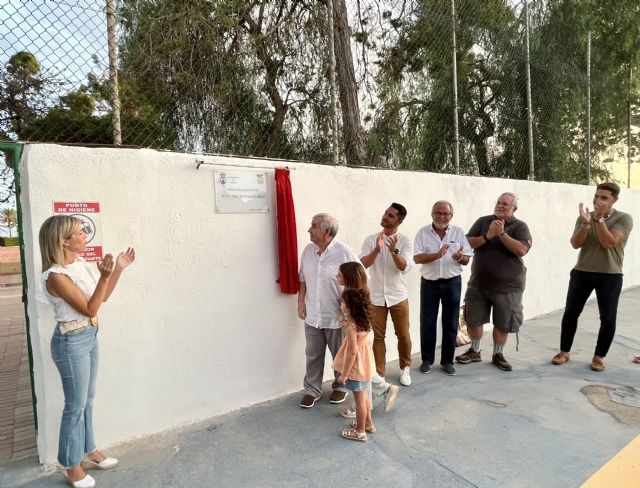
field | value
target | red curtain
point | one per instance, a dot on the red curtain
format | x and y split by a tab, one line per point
287	236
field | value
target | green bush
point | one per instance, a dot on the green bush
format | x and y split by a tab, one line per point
9	241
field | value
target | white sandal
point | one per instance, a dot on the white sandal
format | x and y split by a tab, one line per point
86	482
106	463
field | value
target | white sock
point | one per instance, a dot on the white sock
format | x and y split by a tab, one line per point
497	348
475	345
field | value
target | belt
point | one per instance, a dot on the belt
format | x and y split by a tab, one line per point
77	324
443	280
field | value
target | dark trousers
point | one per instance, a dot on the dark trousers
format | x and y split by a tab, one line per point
581	284
432	292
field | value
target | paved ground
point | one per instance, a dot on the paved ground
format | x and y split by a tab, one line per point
538	426
10	263
17	434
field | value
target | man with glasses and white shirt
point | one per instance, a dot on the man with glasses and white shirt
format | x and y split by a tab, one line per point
497	279
442	249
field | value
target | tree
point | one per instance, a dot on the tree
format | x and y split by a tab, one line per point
413	127
21	100
352	129
9	218
7	191
559	53
21	92
414	121
233	76
84	115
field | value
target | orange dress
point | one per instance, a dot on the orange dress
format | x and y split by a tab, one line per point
362	367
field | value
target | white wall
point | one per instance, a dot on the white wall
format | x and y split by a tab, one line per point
197	325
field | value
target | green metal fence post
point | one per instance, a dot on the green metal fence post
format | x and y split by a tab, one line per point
13	151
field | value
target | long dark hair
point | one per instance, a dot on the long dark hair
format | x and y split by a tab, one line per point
359	306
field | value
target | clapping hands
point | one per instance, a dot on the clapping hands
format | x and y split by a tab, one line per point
601	209
584	213
125	258
496	228
105	267
458	255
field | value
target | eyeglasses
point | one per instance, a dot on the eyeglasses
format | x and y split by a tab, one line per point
441	214
504	204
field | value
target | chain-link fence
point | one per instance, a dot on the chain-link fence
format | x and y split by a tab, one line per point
253	78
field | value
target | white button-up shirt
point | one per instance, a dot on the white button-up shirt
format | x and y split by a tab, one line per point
428	241
387	284
318	272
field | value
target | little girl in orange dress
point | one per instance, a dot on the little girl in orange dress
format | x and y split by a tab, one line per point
354	360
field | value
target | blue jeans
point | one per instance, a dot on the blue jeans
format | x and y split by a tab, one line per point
432	293
76	356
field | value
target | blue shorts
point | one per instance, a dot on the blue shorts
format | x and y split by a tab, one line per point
355	385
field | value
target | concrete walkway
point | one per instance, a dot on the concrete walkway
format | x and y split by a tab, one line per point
538	426
17	433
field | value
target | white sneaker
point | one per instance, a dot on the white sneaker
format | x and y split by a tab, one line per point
405	377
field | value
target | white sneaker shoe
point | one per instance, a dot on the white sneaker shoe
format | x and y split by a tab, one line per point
405	377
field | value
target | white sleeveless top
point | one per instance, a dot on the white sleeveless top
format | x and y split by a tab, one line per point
83	276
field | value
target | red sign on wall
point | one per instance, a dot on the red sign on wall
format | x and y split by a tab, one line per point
89	215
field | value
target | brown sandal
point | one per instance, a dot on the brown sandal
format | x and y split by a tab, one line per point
561	358
597	364
370	428
354	435
636	360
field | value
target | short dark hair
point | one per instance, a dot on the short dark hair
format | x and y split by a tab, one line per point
609	186
402	211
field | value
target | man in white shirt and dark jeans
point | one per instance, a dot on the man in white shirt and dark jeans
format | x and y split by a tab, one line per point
319	304
442	249
387	255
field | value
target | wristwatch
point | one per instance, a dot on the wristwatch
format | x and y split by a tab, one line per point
395	251
601	219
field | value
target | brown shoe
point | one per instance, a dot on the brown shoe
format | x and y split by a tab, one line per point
561	358
338	396
501	362
597	364
308	401
470	356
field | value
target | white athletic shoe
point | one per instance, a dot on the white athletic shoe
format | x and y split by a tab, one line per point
405	377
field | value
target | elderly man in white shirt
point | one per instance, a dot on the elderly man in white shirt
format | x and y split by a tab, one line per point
442	249
319	304
387	256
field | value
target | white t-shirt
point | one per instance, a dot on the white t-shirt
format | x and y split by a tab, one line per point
83	276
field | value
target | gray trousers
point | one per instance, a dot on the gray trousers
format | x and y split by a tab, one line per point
317	342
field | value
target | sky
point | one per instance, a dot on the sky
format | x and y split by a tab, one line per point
63	35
